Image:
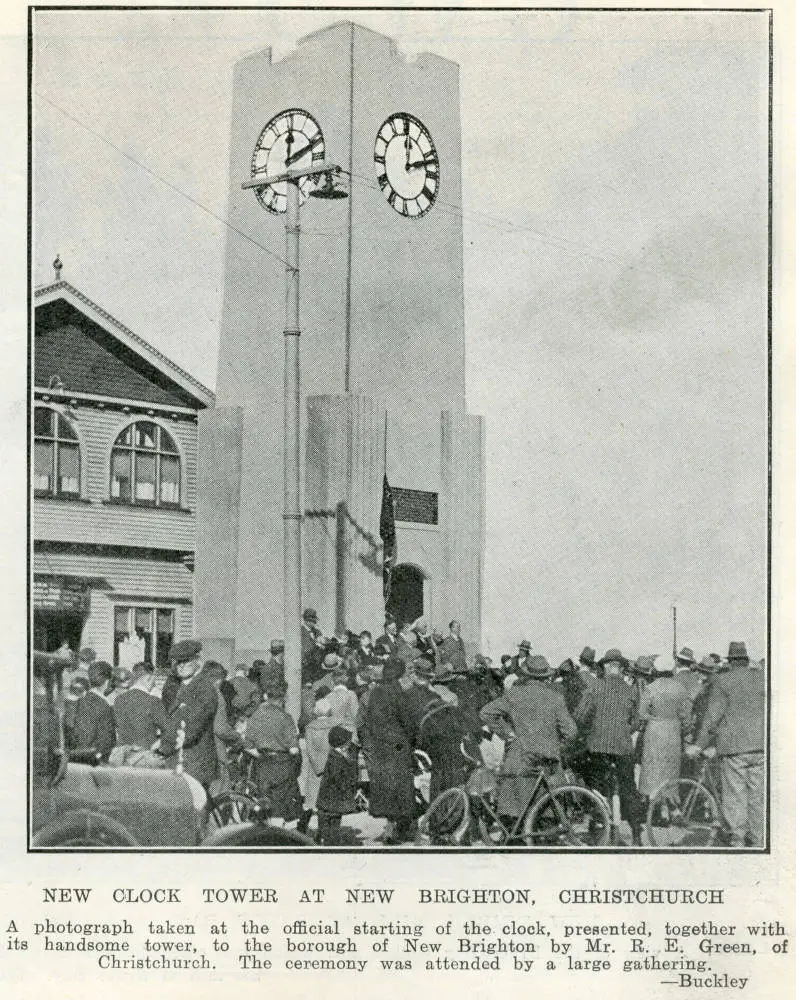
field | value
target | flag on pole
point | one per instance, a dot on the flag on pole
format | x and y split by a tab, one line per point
387	532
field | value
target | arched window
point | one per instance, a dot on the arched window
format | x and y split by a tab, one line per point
145	466
56	455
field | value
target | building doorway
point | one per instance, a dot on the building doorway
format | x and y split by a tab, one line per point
407	600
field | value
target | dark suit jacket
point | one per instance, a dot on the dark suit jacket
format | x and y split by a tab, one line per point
195	705
94	728
735	716
140	718
608	712
338	789
452	651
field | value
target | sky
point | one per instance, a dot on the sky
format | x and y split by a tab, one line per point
615	234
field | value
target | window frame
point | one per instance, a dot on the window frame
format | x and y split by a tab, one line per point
132	611
158	453
57	442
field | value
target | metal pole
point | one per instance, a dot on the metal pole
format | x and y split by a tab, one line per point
292	509
674	631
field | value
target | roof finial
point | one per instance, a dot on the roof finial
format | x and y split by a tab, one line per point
58	267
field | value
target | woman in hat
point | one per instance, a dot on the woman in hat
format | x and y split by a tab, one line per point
665	712
316	735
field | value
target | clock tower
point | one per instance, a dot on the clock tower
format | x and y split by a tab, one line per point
382	352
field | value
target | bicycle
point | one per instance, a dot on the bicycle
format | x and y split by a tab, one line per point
243	803
553	816
687	812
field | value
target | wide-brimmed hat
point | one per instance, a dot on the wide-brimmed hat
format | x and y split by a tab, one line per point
184	651
686	655
737	651
339	736
567	667
587	656
612	656
535	667
644	665
707	665
525	645
331	661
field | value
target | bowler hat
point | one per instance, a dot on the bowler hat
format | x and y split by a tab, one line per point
525	645
310	615
567	667
184	651
536	667
277	646
587	656
737	651
612	656
686	655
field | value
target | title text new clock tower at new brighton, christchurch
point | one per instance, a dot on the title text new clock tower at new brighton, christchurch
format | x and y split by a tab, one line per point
382	352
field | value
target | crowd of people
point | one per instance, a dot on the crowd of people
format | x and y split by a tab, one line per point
367	706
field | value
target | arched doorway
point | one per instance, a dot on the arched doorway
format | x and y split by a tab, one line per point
407	593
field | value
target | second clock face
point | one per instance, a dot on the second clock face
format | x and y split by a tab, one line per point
407	165
291	139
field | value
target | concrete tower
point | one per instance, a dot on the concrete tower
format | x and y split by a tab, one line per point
382	355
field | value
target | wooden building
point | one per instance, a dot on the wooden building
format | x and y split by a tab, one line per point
113	443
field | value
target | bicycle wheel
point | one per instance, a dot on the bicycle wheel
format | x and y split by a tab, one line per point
570	816
683	813
448	818
231	808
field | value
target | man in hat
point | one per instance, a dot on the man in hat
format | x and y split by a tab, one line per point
518	663
685	671
273	734
273	669
387	734
734	724
312	645
441	728
452	649
586	664
385	645
192	714
608	713
94	730
533	721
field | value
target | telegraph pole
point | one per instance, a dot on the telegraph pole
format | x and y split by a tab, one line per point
292	514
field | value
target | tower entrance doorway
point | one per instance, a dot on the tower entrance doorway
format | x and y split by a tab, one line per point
407	593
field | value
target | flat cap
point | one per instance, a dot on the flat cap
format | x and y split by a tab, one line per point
187	649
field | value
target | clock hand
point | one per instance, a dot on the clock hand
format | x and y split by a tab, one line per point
419	163
290	160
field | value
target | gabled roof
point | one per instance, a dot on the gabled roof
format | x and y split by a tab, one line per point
90	351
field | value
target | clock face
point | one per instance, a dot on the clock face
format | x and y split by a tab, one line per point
407	165
292	139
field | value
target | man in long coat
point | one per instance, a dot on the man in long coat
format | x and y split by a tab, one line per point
388	738
735	724
192	714
533	720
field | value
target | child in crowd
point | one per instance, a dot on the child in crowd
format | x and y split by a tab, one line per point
337	794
